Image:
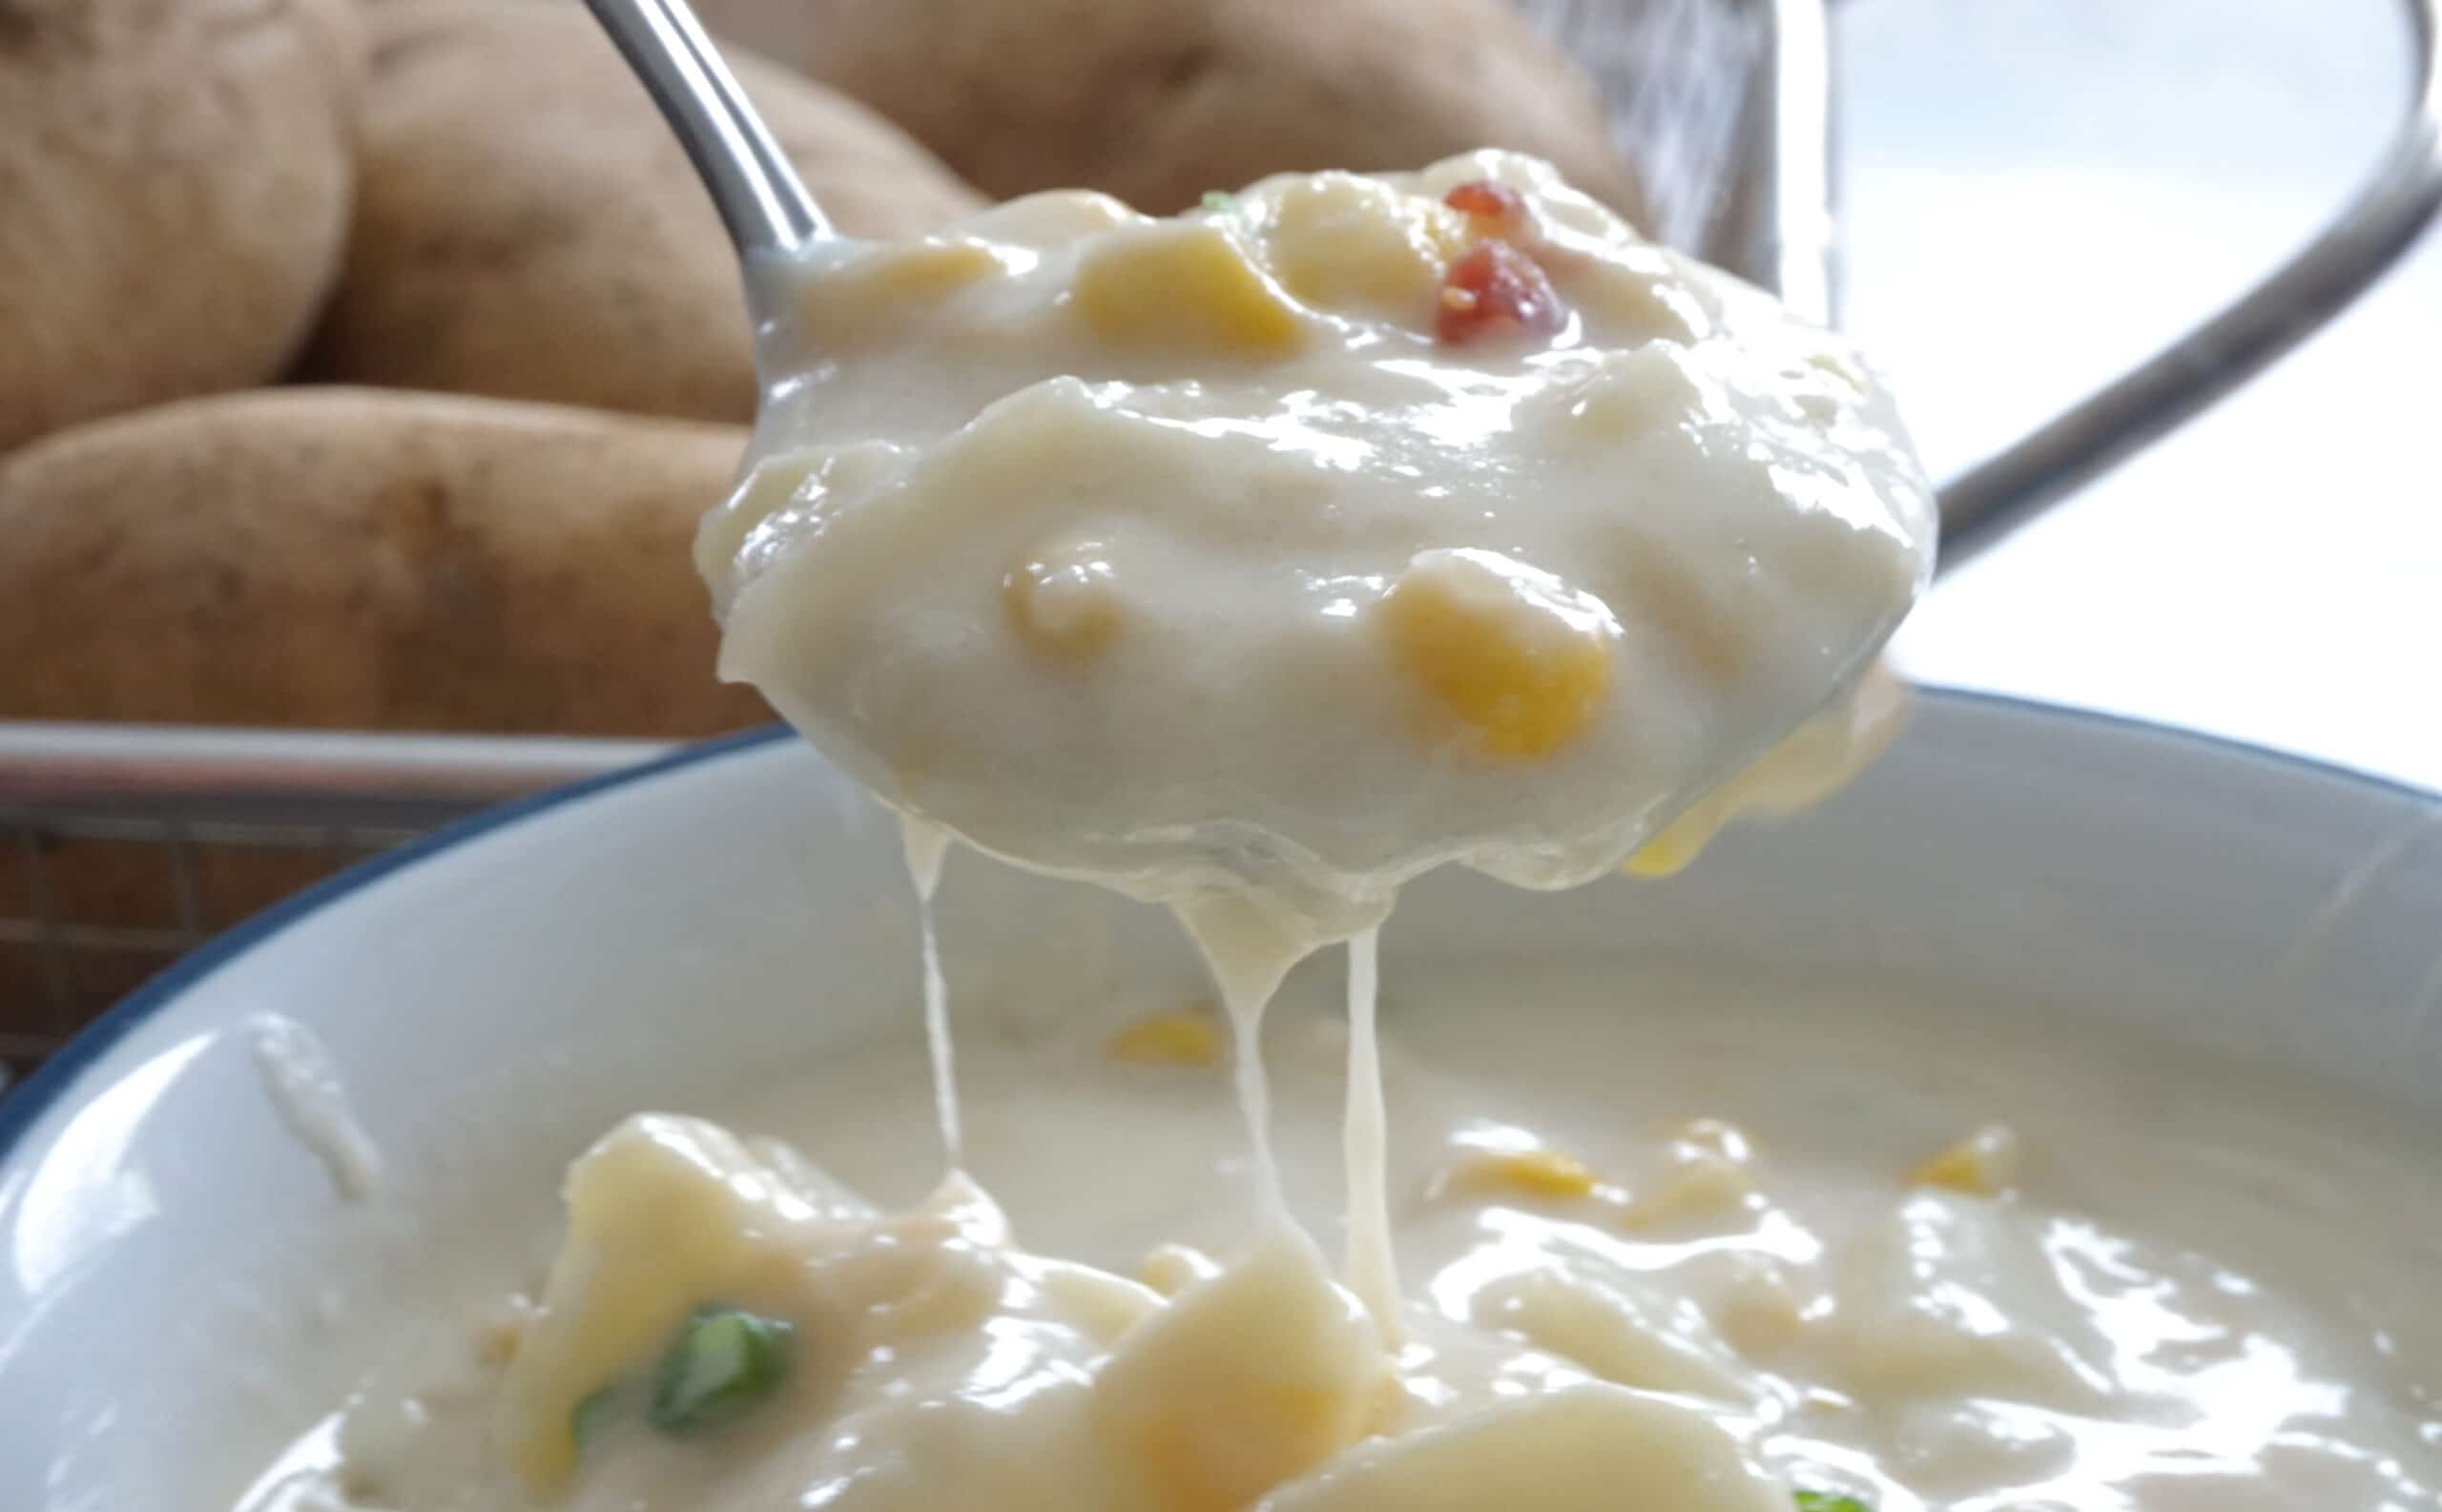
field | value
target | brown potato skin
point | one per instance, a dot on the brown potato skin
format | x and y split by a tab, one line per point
350	559
341	558
1157	101
174	177
528	227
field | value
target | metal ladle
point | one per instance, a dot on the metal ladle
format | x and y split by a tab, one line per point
766	208
761	199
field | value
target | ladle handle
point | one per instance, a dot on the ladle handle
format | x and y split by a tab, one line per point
762	201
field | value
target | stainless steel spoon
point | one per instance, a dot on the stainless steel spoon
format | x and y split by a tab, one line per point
762	201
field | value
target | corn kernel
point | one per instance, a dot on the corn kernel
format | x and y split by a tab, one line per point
877	294
1344	242
1188	1037
1538	1173
1521	658
1666	855
1985	1163
1184	284
1064	602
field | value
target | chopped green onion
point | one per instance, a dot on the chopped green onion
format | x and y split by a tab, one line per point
593	1415
1828	1501
724	1364
1219	201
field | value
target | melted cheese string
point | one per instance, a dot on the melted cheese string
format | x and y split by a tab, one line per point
926	847
1370	1271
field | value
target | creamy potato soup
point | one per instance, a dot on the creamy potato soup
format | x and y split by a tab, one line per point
1660	1240
1253	562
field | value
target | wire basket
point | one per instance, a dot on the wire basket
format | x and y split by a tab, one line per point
123	846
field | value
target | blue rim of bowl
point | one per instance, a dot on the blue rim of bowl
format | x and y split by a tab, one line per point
22	1107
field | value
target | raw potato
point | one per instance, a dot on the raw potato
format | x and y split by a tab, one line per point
1158	102
340	558
173	197
528	227
349	559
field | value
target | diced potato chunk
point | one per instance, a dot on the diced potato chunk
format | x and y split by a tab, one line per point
771	487
1344	242
1758	1311
1628	1329
1186	285
1170	1268
1246	1381
1703	1187
1186	1038
1517	655
1106	1306
1985	1163
1954	1298
665	1214
1589	1448
1064	602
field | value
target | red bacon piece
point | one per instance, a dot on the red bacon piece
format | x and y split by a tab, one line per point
1497	290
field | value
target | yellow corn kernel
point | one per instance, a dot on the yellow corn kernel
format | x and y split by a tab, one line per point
1170	1268
1064	602
1538	1173
1521	658
1985	1163
875	294
1667	853
1187	1038
1344	242
1183	285
1702	1186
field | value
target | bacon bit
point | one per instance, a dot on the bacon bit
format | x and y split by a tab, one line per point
1498	290
1489	199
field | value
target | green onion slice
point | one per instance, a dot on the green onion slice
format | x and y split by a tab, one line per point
593	1415
724	1364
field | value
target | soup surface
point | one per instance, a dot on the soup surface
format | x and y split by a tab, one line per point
1663	1242
1253	562
1257	559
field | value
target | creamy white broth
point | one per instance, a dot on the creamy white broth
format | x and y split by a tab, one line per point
1232	562
1196	557
1679	1200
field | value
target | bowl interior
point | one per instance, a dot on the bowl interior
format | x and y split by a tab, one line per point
178	1272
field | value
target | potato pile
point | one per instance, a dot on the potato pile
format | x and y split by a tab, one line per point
245	245
366	363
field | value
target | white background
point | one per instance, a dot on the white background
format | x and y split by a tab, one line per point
2036	192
